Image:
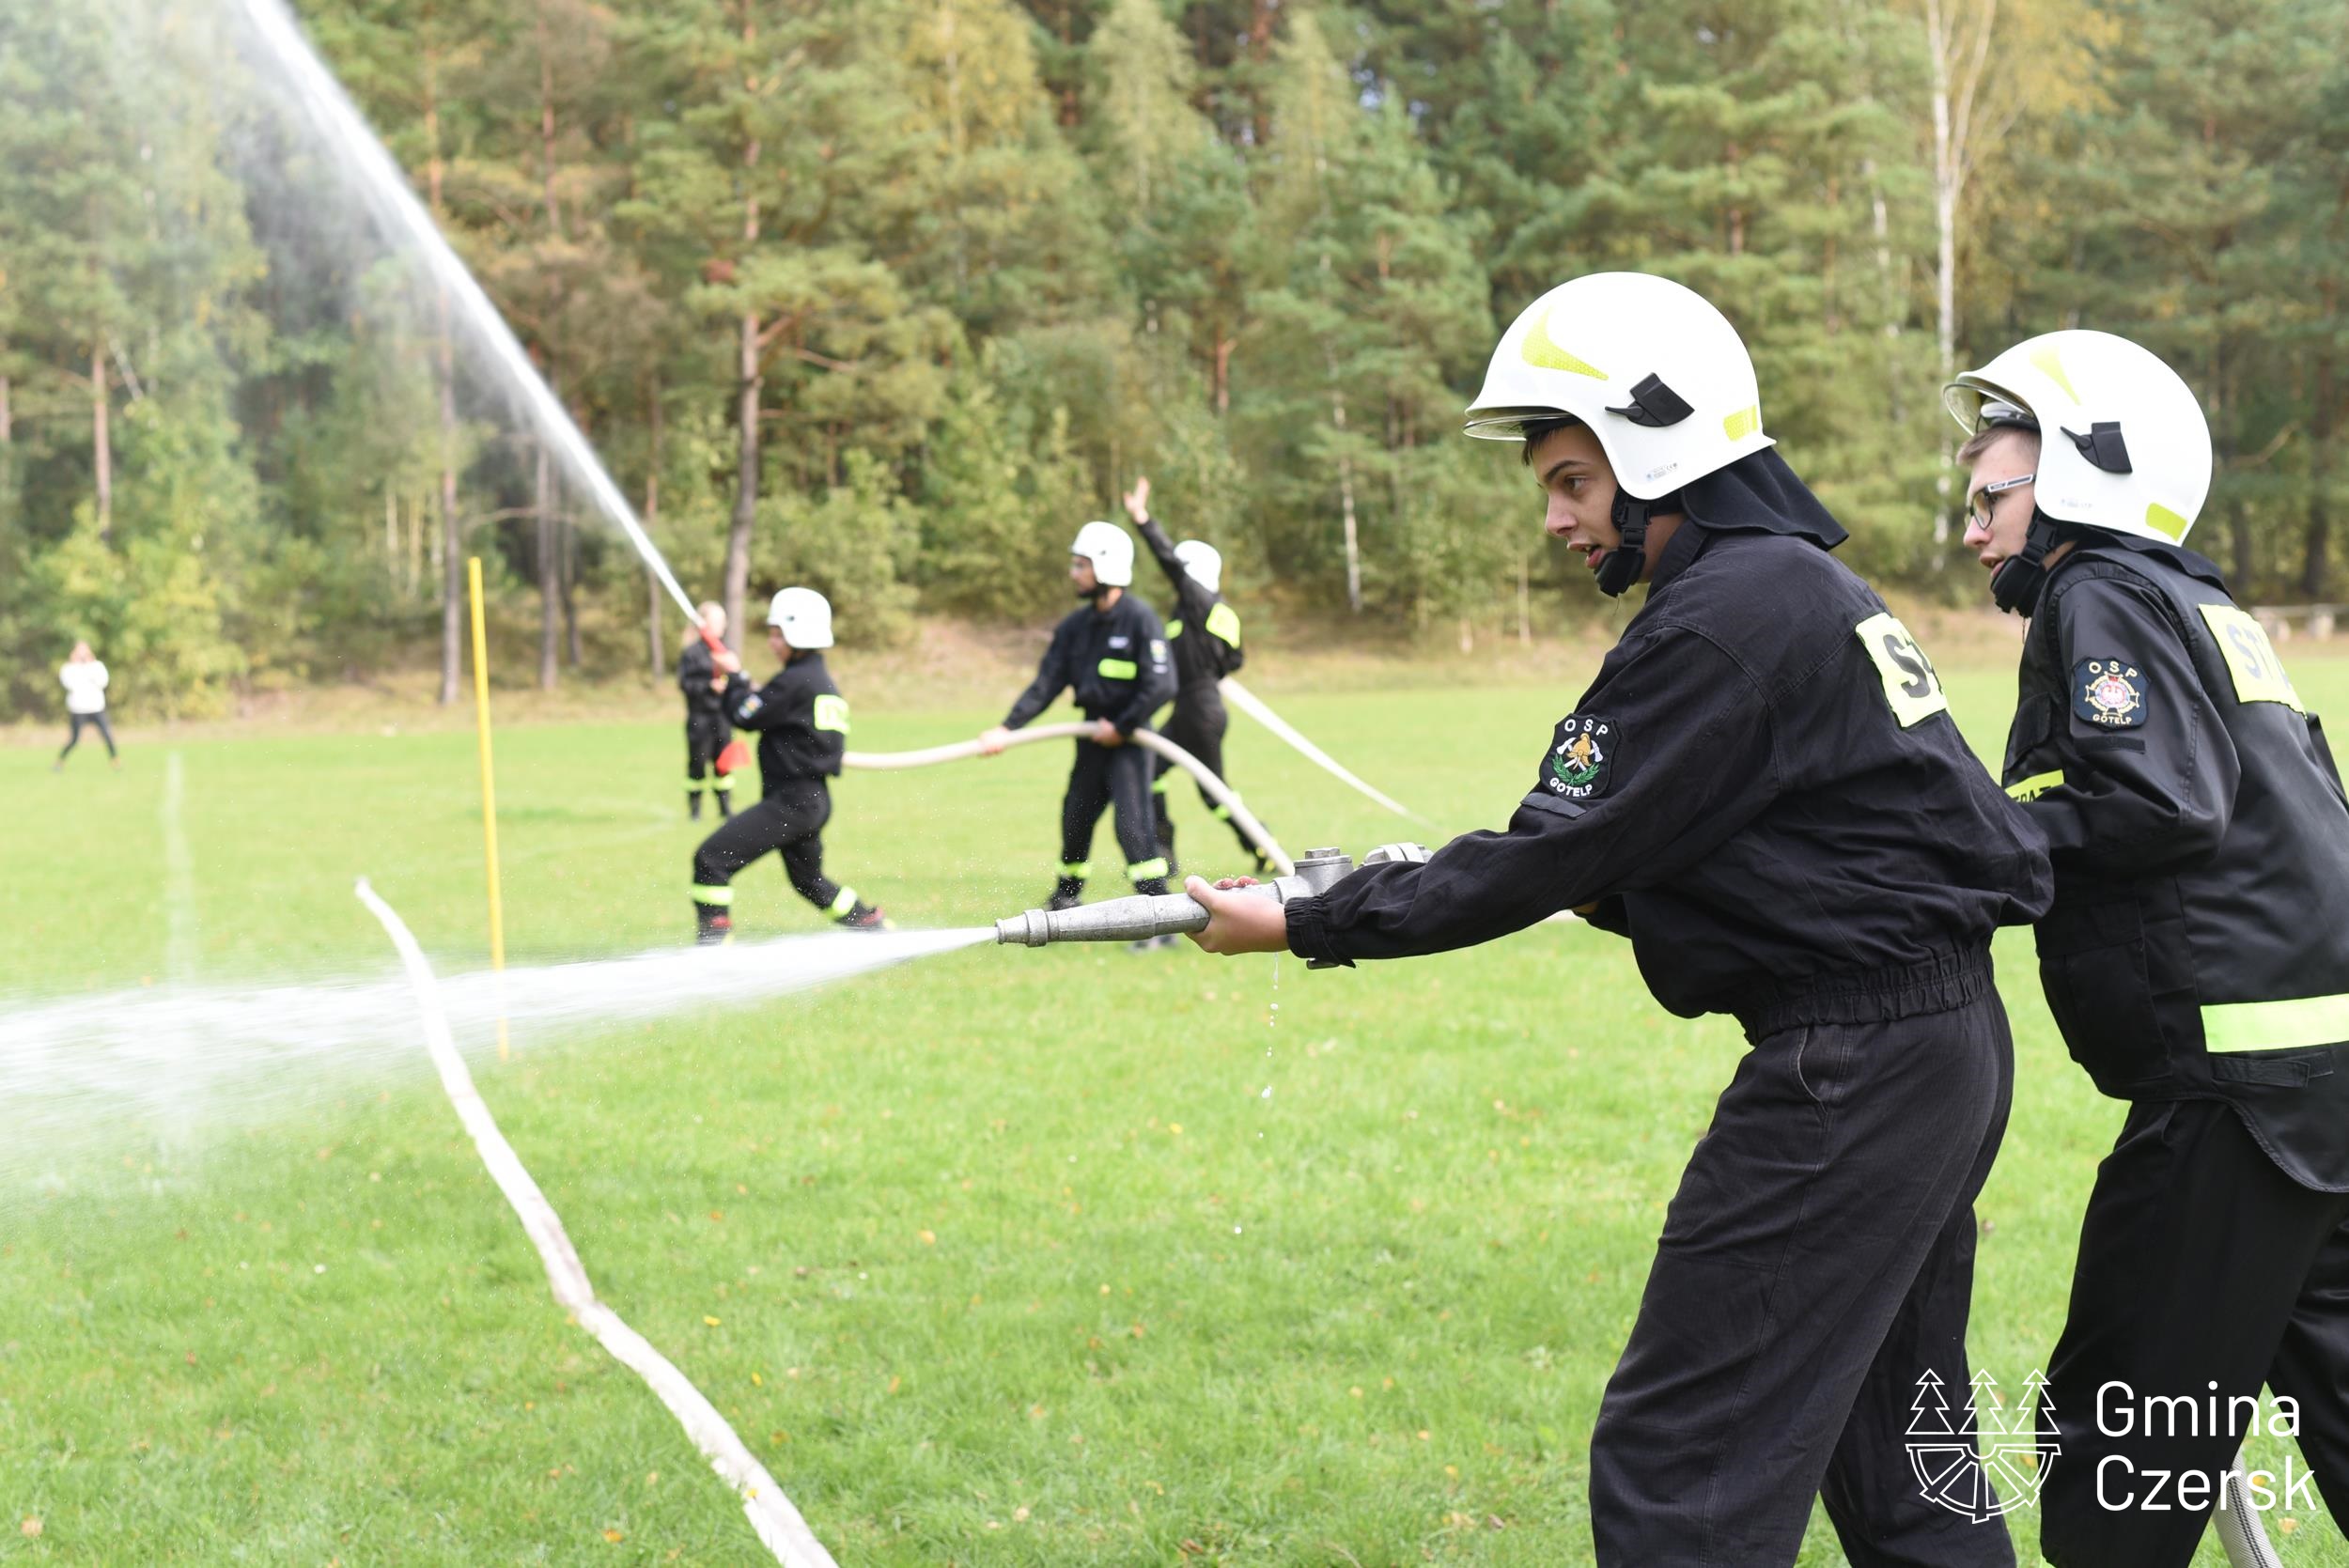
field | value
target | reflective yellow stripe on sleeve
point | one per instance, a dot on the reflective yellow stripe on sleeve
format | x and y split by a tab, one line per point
2231	1026
1223	621
2034	786
1119	669
1174	629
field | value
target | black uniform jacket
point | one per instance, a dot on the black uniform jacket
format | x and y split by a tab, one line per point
2198	945
1204	632
801	719
1116	660
693	673
1763	786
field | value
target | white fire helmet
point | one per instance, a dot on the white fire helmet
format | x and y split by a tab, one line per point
1203	562
1111	549
1660	376
805	616
2122	444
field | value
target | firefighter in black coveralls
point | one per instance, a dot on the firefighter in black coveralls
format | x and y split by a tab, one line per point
1203	634
802	725
2197	957
1763	789
1113	652
707	731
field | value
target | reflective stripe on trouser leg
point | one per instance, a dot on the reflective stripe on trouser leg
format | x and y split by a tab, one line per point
693	785
842	903
2288	1025
716	897
1076	871
1142	871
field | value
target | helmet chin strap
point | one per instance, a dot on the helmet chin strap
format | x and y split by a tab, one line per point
1628	559
2014	586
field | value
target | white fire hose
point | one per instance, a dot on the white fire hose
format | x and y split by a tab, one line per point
1149	741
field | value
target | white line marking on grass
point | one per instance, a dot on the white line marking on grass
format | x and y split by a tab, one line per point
178	880
779	1525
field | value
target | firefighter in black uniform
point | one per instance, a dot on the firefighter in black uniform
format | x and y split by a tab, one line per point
1113	653
2197	957
802	725
707	731
1763	790
1205	637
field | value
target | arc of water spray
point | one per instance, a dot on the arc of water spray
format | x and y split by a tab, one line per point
387	193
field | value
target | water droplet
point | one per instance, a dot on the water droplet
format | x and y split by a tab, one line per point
1267	1093
1236	1230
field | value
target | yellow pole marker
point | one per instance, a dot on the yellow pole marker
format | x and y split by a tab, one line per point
488	787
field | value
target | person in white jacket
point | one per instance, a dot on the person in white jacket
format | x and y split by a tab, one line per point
85	681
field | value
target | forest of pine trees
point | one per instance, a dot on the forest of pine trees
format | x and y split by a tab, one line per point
887	296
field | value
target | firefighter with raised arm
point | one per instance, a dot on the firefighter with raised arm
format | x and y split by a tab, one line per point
1205	636
1113	652
2196	956
1763	789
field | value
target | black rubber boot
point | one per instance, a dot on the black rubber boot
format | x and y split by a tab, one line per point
725	805
693	804
713	925
866	917
1068	894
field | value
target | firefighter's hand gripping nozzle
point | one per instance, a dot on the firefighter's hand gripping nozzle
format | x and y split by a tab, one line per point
1123	920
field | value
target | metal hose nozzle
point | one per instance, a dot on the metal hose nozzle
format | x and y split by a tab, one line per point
1113	920
1122	919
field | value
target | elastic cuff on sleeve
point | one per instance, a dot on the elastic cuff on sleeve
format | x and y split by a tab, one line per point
1309	932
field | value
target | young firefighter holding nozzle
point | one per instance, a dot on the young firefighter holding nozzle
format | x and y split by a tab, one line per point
2196	956
1113	652
803	725
1763	790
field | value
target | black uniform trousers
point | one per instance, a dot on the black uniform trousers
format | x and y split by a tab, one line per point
1105	776
73	734
792	820
2200	1263
1817	1260
1196	725
706	736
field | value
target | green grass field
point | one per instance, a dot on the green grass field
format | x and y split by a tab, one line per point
999	1258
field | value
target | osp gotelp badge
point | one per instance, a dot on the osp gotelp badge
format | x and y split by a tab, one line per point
1581	754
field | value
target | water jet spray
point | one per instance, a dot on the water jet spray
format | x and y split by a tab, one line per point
343	129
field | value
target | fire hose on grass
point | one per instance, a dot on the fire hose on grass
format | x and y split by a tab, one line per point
1149	741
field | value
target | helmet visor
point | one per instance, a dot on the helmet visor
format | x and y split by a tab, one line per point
1978	407
1508	424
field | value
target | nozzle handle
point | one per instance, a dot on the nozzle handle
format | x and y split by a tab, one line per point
1111	920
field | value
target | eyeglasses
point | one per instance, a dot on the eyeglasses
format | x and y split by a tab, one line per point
1978	505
